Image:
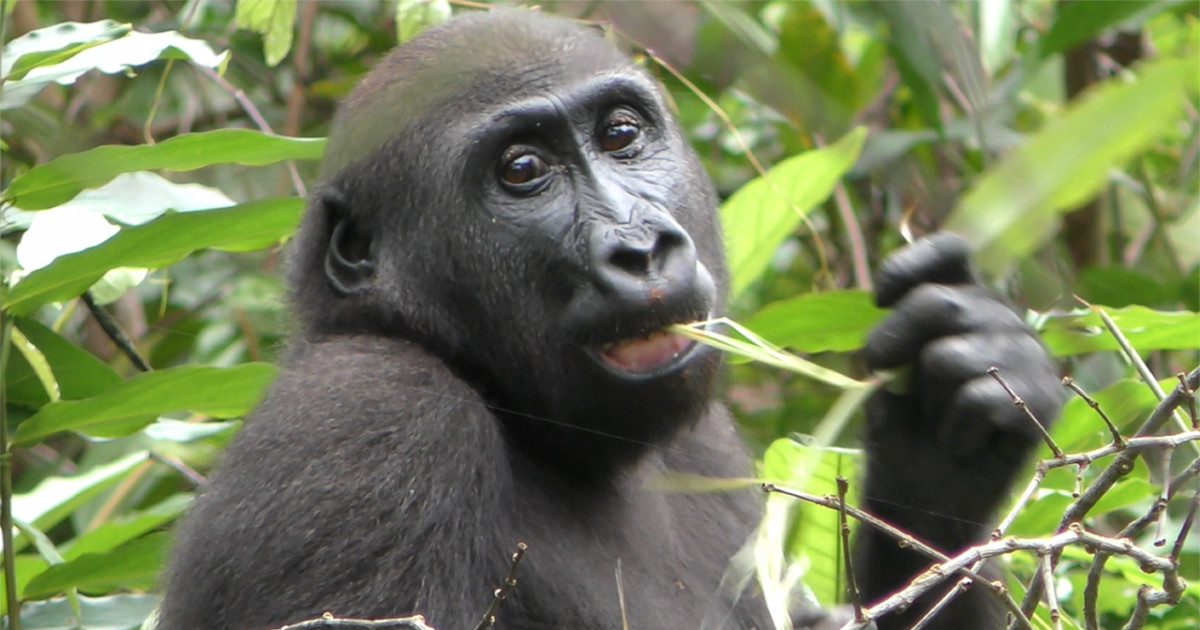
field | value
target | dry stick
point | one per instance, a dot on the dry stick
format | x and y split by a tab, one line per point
1159	537
489	617
855	596
994	372
910	542
1075	534
112	328
1120	466
257	117
1069	383
936	609
1047	572
1142	370
329	621
1191	400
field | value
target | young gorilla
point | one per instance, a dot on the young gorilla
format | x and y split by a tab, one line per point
507	219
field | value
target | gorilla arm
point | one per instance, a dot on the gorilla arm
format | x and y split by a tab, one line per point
327	501
942	457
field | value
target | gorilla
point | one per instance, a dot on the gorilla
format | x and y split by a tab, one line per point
507	221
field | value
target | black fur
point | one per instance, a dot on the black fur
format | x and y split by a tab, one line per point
448	395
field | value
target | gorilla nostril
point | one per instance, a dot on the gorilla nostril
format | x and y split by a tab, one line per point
633	261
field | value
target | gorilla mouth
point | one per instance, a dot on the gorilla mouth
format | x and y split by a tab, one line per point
648	354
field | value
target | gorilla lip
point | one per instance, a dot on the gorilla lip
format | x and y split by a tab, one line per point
647	353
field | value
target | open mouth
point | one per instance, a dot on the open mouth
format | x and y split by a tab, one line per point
647	355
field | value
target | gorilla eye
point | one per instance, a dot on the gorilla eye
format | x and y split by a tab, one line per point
621	130
522	170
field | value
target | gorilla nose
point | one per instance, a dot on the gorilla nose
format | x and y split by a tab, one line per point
646	262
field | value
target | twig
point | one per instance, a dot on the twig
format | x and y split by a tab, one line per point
1190	392
112	328
1119	467
258	119
327	620
1069	383
855	596
6	486
489	617
1047	571
994	372
913	543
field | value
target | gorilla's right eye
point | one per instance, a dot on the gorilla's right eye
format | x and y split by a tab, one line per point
522	170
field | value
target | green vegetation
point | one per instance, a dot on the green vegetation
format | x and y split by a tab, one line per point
154	160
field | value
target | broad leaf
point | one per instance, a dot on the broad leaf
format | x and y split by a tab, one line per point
764	212
272	18
817	322
53	183
113	56
1146	330
1013	209
136	563
219	392
157	244
55	497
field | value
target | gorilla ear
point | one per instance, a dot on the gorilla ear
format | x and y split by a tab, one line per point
349	263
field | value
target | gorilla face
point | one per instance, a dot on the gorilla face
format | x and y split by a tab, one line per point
539	235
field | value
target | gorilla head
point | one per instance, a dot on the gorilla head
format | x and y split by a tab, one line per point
515	196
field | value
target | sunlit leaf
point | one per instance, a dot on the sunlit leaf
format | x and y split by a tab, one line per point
156	244
817	322
1146	329
114	56
414	16
55	497
133	564
272	18
1013	209
764	212
53	44
219	392
53	183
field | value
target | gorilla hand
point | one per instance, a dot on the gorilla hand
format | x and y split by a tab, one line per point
942	456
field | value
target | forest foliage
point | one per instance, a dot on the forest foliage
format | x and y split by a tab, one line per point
155	156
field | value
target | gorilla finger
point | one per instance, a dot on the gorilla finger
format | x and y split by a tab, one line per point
942	258
948	362
982	408
932	311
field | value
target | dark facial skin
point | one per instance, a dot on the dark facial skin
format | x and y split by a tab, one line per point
507	220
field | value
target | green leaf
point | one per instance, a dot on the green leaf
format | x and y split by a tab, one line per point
60	179
113	534
219	392
24	52
1077	22
134	564
817	322
157	244
117	55
272	18
79	373
117	612
1145	328
1013	209
56	497
414	16
1125	402
813	535
764	212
